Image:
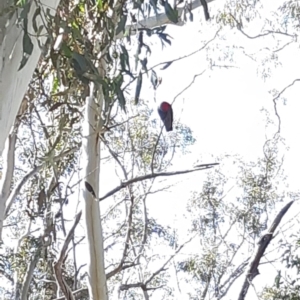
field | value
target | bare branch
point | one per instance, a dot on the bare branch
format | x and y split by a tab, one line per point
275	104
155	148
24	180
154	175
265	240
268	32
188	86
118	269
29	273
232	278
162	268
264	34
58	265
169	62
187	55
127	236
125	287
143	285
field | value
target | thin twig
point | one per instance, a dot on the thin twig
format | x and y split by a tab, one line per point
275	104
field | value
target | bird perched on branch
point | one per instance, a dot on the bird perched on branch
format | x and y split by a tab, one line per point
165	112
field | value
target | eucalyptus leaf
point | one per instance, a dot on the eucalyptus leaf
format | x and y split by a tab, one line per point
25	10
66	50
100	4
27	44
164	37
138	88
153	3
126	56
154	79
119	80
191	17
122	62
167	65
27	50
144	63
129	73
80	63
148	49
35	15
171	13
184	15
121	99
121	24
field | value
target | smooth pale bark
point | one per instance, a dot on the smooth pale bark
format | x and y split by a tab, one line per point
14	83
91	209
9	166
17	283
7	175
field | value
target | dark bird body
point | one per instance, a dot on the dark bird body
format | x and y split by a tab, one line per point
165	112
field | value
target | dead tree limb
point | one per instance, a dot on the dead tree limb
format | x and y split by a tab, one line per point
126	183
264	242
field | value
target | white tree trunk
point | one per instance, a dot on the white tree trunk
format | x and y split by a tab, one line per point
91	209
14	83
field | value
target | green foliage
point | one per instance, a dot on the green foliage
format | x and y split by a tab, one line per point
225	222
290	10
171	13
27	43
287	282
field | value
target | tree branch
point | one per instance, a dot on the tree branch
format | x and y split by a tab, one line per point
275	103
82	292
22	182
265	240
152	175
29	272
8	171
162	268
58	265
